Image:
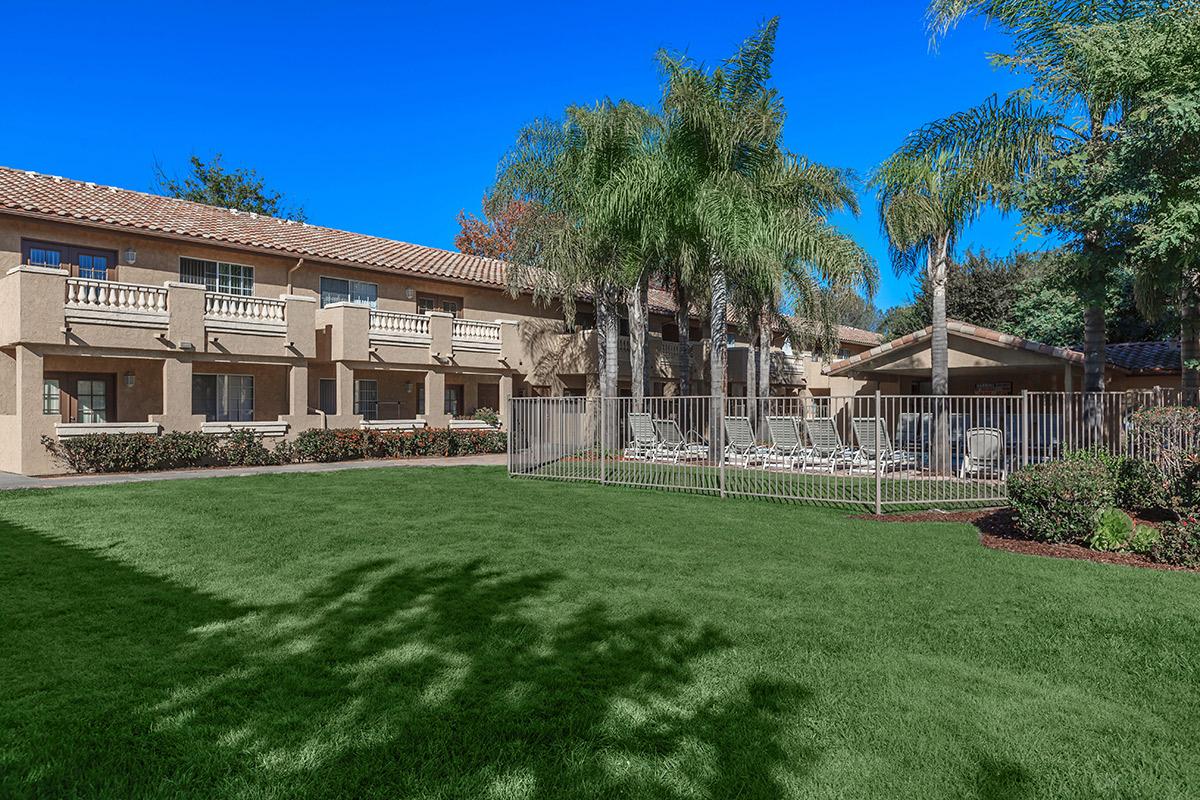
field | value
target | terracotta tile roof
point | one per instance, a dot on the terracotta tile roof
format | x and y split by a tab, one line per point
38	195
1145	357
852	335
976	332
46	196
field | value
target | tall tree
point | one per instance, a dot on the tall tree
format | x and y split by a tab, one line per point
490	235
1045	50
209	182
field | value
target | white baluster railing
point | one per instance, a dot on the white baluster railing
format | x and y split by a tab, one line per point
399	325
474	332
255	312
113	296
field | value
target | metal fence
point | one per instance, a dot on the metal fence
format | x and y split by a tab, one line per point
882	452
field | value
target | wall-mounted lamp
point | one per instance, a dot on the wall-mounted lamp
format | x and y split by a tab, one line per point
130	255
187	346
130	379
409	293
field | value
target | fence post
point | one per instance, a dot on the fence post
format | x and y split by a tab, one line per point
603	442
721	445
1024	427
878	460
508	420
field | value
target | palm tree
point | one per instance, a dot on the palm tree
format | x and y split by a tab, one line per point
564	248
1047	40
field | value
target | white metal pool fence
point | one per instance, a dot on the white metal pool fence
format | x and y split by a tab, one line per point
881	452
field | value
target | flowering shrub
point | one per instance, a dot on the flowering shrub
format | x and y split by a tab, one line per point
140	452
1061	501
1178	543
345	444
488	415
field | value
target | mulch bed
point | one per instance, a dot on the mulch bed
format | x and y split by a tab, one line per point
998	530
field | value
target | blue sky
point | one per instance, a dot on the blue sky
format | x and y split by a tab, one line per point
388	118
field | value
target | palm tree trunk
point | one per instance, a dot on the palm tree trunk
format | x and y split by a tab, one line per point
683	322
607	331
764	355
752	374
939	357
1093	314
635	301
718	360
1189	334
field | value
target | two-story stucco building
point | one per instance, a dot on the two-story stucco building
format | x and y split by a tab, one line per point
123	311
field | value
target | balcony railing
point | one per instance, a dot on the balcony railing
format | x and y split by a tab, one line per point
469	334
114	302
399	327
243	314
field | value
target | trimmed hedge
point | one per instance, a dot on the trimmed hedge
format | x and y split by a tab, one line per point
1061	501
1178	543
141	452
345	444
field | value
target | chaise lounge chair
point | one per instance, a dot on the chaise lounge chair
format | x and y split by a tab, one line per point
985	454
786	450
644	444
741	449
825	446
675	445
882	452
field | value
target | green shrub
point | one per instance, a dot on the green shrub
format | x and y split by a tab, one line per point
1144	538
1060	501
346	444
488	415
245	449
1184	485
1179	543
1140	485
105	452
1113	530
179	449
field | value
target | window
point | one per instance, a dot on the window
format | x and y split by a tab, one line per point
366	399
454	400
429	302
84	262
51	397
92	395
327	396
336	290
420	398
217	276
223	398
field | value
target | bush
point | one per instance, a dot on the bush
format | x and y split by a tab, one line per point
1184	485
346	444
1179	543
1169	434
246	449
1060	501
488	415
1144	538
1113	530
1140	485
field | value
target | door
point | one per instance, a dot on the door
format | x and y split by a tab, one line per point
327	396
489	396
83	397
454	400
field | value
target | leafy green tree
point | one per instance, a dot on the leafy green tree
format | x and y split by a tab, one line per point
900	320
209	182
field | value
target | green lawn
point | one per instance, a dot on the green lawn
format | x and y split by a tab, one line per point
450	633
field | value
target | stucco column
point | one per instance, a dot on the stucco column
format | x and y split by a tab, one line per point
506	390
177	397
30	456
435	400
344	375
297	390
470	395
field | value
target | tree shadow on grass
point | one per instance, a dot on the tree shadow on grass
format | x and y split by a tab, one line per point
447	680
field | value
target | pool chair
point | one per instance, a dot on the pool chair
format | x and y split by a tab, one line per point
740	447
675	446
643	442
882	452
786	449
985	454
825	446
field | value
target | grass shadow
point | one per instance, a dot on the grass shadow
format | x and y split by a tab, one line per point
443	680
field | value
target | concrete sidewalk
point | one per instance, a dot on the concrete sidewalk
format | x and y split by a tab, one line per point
9	480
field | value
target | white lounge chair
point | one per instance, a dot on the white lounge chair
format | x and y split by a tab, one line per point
741	448
825	446
985	454
871	451
675	445
786	450
643	444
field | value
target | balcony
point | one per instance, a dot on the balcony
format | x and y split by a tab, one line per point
396	327
231	313
115	303
472	335
354	332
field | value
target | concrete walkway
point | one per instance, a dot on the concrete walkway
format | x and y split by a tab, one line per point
9	480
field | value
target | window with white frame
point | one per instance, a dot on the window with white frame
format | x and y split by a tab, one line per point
51	397
223	398
366	398
218	276
339	290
